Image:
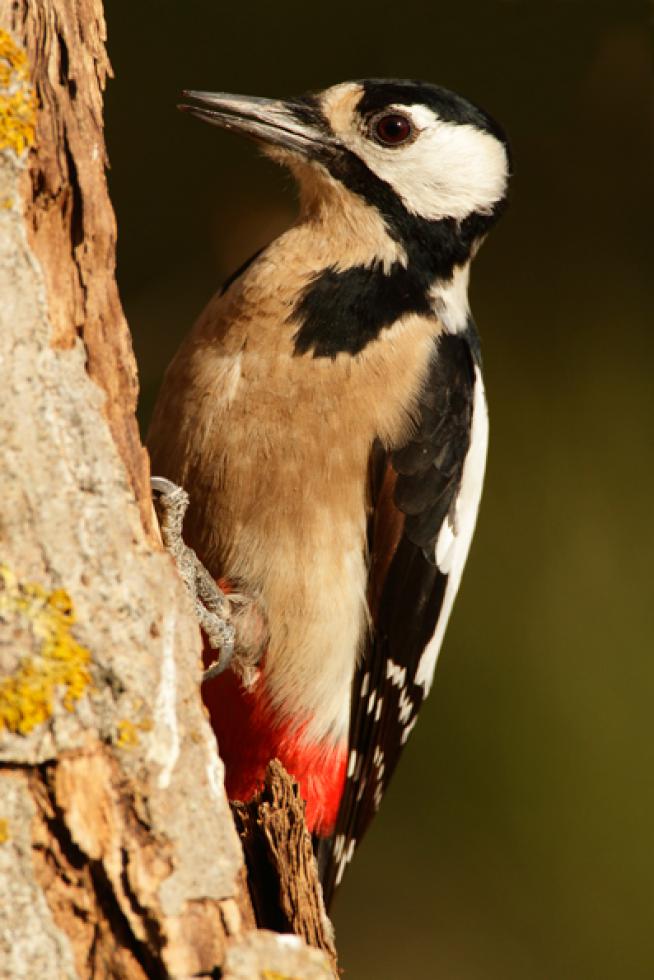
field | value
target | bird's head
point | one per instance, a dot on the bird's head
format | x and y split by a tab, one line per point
418	153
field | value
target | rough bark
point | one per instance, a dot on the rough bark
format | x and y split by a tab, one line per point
282	876
118	853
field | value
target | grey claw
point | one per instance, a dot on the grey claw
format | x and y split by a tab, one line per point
162	485
216	668
221	636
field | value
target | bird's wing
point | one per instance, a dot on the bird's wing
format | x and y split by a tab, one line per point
424	500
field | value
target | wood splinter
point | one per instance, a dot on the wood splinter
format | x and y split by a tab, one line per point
282	871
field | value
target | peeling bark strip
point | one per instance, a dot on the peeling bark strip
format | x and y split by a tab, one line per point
282	870
71	224
82	900
118	854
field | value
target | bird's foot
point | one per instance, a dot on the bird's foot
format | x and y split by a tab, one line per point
212	606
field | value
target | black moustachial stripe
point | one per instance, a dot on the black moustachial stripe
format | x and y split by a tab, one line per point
342	311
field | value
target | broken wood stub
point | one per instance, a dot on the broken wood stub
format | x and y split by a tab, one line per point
282	871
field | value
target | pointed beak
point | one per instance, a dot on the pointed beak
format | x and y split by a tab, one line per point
291	124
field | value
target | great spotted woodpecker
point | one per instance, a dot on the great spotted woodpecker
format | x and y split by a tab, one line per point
327	416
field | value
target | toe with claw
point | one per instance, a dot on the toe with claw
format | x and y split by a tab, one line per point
212	605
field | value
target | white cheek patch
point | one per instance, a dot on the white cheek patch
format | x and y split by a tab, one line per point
448	171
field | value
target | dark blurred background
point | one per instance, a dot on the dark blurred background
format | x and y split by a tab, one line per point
516	842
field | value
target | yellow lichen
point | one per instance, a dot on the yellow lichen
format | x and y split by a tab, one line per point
275	975
128	732
127	736
4	831
17	97
58	662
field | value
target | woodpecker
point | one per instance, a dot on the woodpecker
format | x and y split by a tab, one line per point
327	416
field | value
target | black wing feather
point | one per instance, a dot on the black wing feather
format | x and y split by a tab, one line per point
413	491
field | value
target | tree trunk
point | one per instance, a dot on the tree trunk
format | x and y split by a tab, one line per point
118	852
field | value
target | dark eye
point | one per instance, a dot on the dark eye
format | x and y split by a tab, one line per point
392	129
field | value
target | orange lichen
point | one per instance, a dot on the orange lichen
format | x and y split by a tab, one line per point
57	662
17	98
4	831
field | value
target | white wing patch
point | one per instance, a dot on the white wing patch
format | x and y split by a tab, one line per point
453	544
446	547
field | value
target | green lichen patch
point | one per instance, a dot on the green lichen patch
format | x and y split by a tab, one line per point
17	98
55	661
